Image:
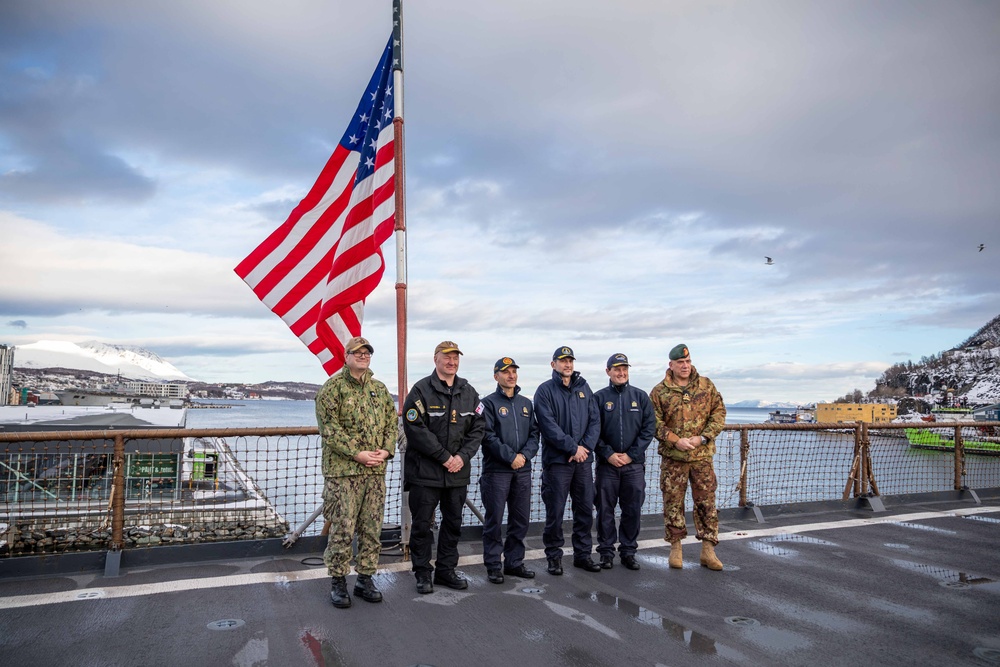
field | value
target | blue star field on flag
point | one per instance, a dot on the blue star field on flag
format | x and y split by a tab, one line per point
374	112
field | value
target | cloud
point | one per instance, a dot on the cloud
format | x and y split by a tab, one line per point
795	371
574	176
50	273
18	324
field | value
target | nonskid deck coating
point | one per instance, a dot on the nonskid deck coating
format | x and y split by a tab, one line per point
879	589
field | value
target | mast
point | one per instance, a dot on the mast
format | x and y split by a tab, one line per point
399	189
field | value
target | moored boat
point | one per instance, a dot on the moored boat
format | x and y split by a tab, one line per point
931	439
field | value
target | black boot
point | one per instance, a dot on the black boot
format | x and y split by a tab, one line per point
365	589
338	593
450	579
424	585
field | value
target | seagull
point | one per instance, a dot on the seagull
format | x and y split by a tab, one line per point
768	260
981	246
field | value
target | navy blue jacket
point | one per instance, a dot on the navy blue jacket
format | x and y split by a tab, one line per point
439	421
511	429
628	423
567	417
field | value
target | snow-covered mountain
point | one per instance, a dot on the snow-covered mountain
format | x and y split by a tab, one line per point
134	363
969	372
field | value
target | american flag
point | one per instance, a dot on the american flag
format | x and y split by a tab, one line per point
316	270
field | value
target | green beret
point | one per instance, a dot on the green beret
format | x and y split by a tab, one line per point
679	352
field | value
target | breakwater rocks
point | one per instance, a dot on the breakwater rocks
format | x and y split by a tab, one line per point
24	537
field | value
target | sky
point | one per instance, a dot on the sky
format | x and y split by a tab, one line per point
607	176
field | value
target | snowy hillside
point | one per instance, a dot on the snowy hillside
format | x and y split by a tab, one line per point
970	372
134	363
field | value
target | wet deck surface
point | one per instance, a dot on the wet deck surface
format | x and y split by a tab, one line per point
916	585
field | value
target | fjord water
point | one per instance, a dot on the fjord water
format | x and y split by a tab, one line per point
259	414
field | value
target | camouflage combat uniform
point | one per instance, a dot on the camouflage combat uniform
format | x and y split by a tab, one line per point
354	416
683	412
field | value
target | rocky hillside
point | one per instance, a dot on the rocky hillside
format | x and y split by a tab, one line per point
302	391
968	374
48	366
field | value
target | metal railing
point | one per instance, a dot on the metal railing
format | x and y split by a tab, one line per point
123	489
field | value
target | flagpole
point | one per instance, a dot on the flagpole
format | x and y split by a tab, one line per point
399	192
399	187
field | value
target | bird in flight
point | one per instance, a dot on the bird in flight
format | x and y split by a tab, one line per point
768	260
981	246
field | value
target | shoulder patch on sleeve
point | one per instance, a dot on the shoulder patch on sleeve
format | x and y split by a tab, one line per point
420	406
411	415
479	408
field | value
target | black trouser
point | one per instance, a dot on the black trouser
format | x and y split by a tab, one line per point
510	491
560	480
626	485
424	500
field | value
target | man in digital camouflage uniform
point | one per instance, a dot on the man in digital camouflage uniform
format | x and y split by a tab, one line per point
358	424
689	415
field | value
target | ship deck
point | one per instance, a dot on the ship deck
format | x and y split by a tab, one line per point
830	584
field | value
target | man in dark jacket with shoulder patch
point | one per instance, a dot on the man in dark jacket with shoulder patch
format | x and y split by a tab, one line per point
627	427
509	444
443	433
569	425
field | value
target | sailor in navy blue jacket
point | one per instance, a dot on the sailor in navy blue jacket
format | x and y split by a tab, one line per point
628	425
569	424
510	443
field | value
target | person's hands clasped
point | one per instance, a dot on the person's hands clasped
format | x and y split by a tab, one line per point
371	459
454	463
619	459
687	444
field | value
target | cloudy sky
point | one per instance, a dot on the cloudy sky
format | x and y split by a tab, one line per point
608	176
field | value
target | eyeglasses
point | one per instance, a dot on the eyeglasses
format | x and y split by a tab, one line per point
362	355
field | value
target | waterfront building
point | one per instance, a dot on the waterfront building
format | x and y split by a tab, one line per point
987	413
157	389
837	413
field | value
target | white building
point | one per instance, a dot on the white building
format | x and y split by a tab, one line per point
157	389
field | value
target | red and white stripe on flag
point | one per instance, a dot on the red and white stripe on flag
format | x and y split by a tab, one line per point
316	270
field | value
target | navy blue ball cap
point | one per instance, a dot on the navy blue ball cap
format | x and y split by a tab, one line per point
618	359
503	364
563	353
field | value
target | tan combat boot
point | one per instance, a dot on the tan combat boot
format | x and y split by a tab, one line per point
676	559
708	557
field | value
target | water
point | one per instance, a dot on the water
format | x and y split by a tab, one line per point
259	414
252	414
749	415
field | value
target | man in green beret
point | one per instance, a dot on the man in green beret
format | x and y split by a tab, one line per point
689	415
